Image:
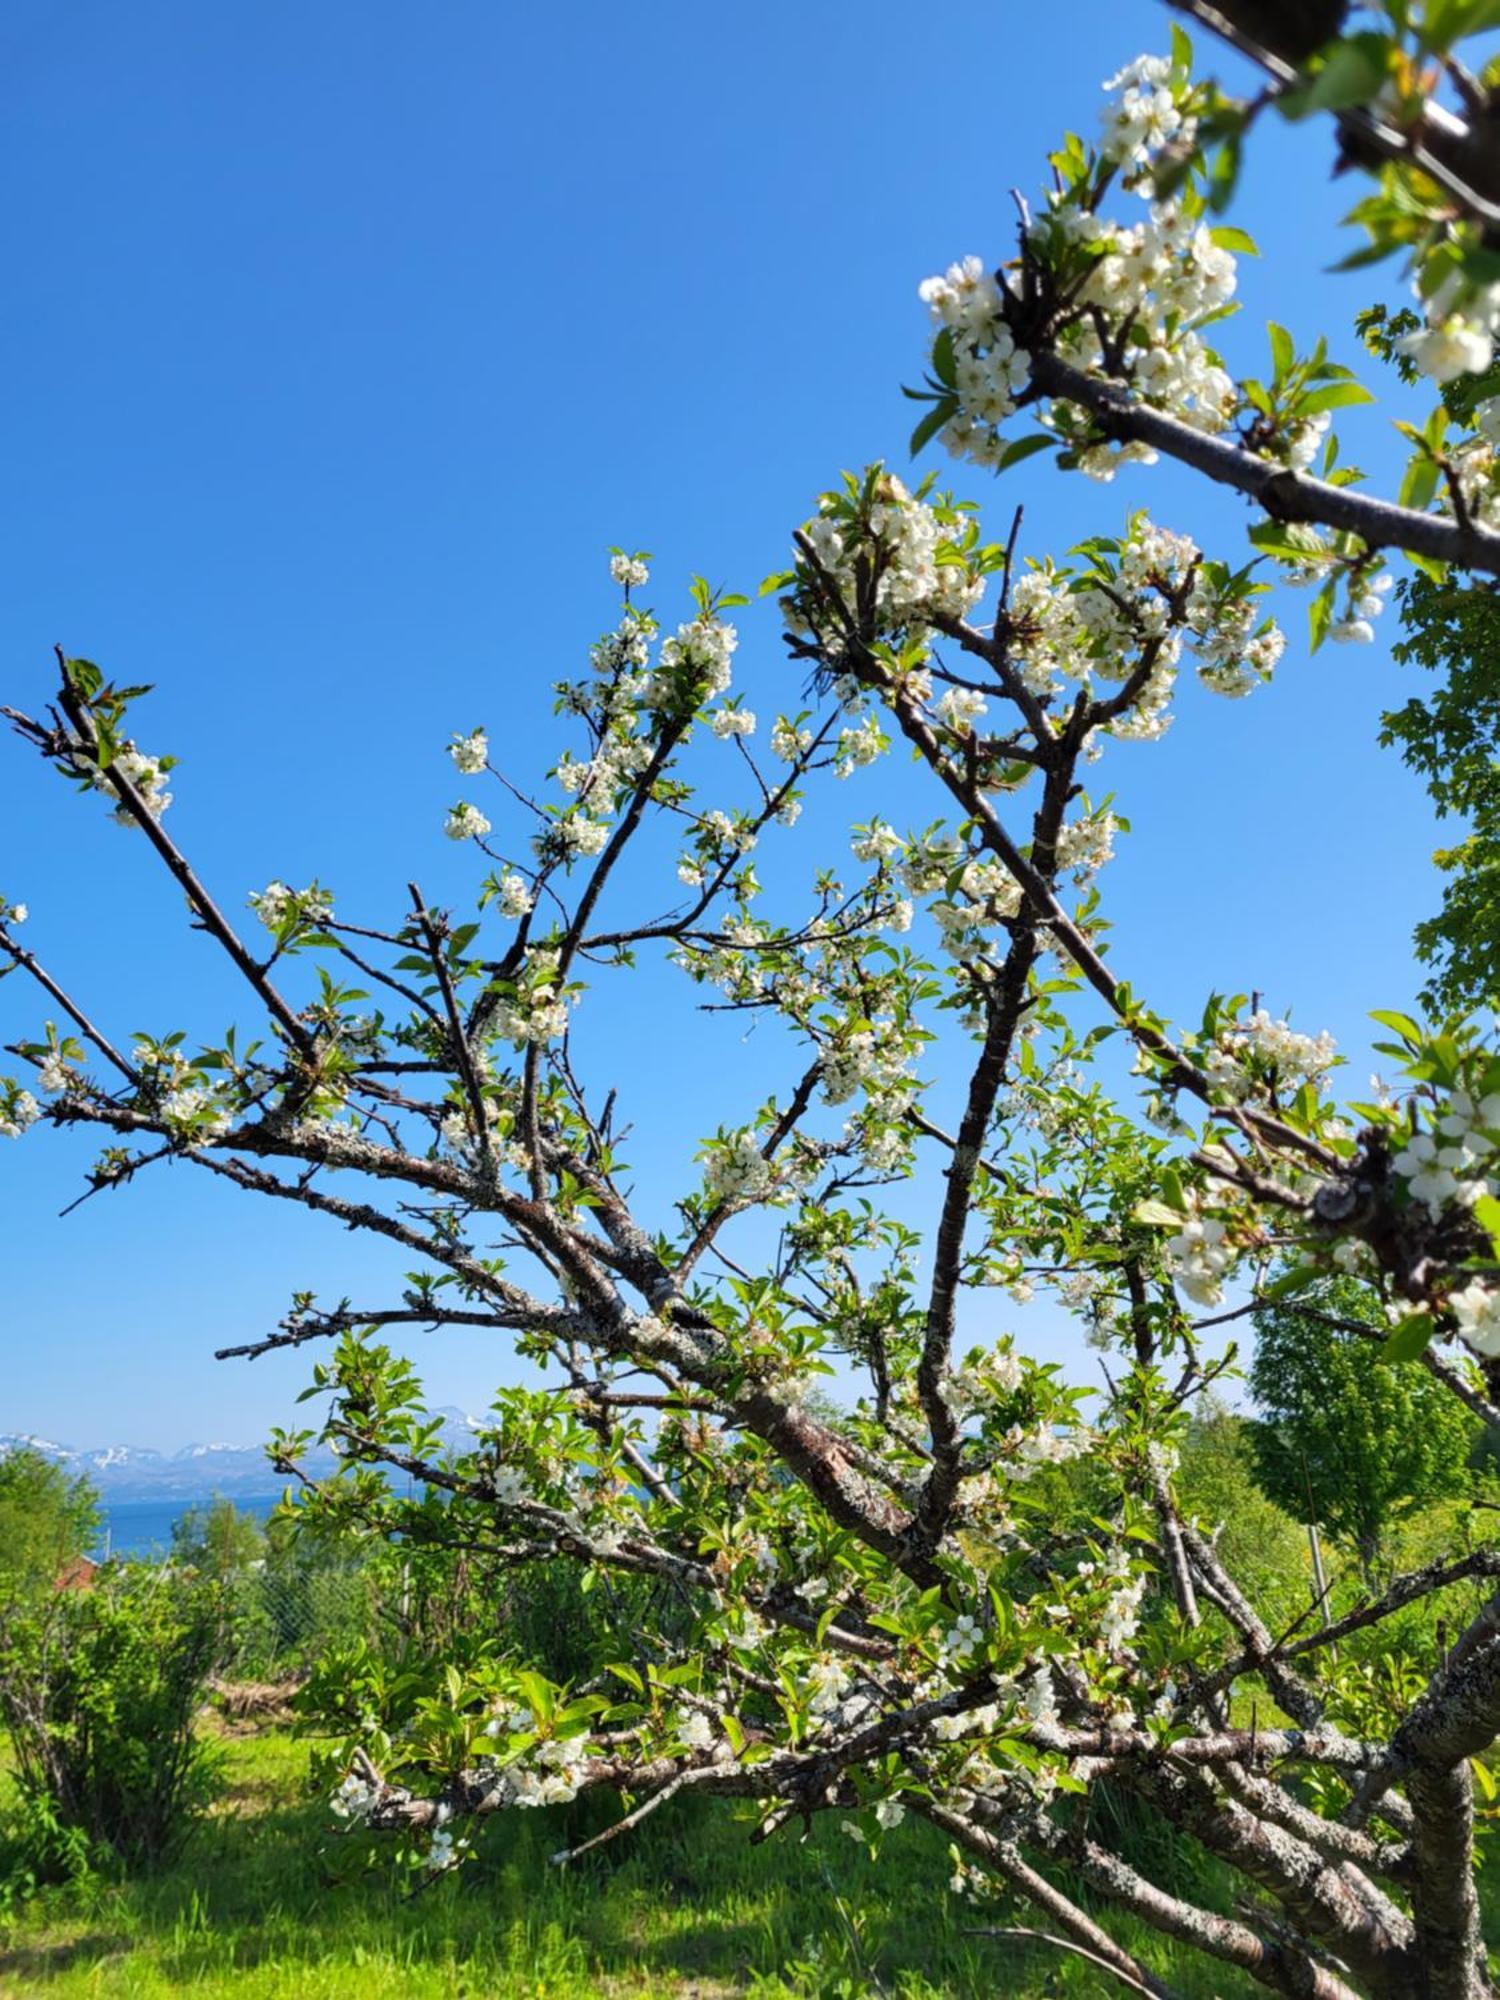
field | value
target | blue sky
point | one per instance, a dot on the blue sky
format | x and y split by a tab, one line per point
342	341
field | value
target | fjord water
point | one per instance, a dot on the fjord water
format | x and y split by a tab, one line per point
144	1527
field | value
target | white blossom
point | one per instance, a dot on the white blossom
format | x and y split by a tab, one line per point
466	822
470	753
515	898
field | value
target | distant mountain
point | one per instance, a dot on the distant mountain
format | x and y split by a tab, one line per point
196	1471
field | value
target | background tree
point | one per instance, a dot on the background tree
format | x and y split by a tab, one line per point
1258	1542
218	1539
46	1518
1347	1440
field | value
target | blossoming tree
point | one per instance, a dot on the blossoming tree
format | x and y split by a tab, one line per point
873	1616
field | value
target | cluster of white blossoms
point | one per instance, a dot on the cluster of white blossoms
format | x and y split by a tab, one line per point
456	1132
1475	465
1199	1257
1453	1161
720	838
1250	1057
1162	278
277	901
928	861
354	1799
693	1729
538	1011
1121	1615
573	836
194	1113
733	722
1086	843
1147	117
876	842
696	664
630	572
735	1169
1298	444
619	759
465	822
445	1852
989	371
549	1774
858	745
986	896
53	1077
901	538
788	741
828	1678
514	898
19	1111
147	774
984	1380
959	708
625	650
470	753
873	1059
1155	593
1028	1448
1463	320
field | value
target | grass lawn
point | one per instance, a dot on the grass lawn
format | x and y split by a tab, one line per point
267	1904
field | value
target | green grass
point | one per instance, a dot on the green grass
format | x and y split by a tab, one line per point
267	1904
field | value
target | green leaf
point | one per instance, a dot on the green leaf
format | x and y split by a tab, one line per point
1223	174
1418	483
1289	539
1157	1215
1409	1340
1446	21
1333	396
1026	447
1352	74
1319	617
1487	1215
931	424
1290	1283
1229	238
1283	351
1399	1024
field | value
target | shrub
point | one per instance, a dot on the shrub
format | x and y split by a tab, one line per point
98	1691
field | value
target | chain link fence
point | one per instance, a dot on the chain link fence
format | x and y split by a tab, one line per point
277	1621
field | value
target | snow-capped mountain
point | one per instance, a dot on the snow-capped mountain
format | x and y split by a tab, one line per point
195	1471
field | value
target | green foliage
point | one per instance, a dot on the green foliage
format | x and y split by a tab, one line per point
98	1693
217	1539
45	1519
1451	738
1260	1544
1348	1440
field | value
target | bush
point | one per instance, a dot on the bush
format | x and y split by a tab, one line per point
98	1691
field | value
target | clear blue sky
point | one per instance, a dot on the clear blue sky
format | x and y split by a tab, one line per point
340	342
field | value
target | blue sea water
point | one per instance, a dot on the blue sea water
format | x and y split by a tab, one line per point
144	1527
